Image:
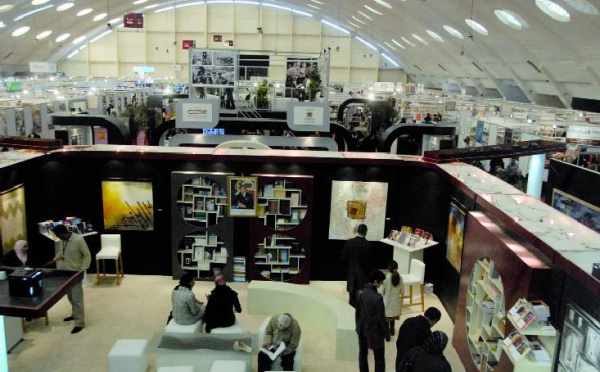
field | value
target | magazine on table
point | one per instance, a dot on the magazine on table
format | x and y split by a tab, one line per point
272	352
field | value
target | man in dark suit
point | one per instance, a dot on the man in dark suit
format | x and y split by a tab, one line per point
243	200
414	331
356	254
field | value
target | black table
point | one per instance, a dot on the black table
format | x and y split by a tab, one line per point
56	284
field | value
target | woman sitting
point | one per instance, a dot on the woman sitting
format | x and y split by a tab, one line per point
186	308
18	256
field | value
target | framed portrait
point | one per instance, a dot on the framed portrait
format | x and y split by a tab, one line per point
242	196
456	233
127	205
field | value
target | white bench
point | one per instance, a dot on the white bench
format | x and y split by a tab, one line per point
128	355
311	308
235	328
174	327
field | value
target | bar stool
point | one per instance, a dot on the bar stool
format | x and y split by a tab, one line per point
110	250
415	276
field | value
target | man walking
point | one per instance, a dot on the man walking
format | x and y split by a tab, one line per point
356	254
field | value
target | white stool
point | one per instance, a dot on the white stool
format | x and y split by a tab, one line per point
235	328
176	369
174	327
228	366
128	355
110	250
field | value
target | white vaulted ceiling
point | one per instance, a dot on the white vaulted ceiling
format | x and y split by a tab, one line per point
556	54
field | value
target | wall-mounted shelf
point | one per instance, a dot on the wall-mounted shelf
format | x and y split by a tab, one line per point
279	257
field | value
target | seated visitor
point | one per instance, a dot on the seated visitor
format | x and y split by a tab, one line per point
282	328
429	357
186	308
18	256
221	304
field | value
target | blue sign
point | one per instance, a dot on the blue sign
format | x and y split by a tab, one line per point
213	131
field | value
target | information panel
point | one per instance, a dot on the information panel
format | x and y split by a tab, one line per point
197	113
308	116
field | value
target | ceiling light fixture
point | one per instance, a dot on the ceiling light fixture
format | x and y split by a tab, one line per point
79	40
62	37
435	36
366	43
477	26
365	15
139	2
39	2
358	20
64	7
420	39
509	18
389	45
313	6
584	6
20	31
373	10
355	25
330	24
99	17
553	10
43	35
383	3
454	32
6	7
20	17
408	42
397	43
84	12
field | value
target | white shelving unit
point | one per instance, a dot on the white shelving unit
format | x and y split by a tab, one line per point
202	252
277	257
200	205
485	317
281	206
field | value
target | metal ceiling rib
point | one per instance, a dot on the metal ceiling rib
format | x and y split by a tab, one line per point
503	54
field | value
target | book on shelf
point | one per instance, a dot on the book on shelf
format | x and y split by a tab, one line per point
522	314
189	211
212	239
517	345
294	218
268	191
273	352
403	237
284	256
273	207
413	240
541	310
279	184
406	229
295	199
539	352
284	207
210	205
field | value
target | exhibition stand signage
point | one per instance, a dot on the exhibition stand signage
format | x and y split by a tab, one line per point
308	116
583	134
197	113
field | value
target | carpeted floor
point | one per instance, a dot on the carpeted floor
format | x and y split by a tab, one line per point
139	307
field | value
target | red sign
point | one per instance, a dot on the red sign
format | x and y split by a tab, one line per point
188	44
133	20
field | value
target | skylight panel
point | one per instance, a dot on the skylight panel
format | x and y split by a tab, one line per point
435	36
553	10
84	12
62	38
454	32
476	26
20	31
64	7
100	17
43	35
509	18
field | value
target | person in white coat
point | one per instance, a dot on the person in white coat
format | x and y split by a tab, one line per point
391	290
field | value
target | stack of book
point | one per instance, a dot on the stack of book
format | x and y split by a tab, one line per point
539	352
541	309
239	269
517	345
522	314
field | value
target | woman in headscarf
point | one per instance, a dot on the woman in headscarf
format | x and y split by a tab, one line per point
429	357
18	256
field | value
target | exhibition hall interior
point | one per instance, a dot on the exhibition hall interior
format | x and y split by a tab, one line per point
248	141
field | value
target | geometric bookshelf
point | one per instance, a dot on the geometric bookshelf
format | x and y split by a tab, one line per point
280	238
485	315
201	231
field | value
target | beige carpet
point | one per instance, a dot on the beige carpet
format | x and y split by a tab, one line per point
139	307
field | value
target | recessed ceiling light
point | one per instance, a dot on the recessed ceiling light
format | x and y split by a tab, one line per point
408	42
553	10
317	1
584	6
6	7
373	10
84	12
62	37
454	32
358	20
313	6
420	39
139	2
383	3
43	35
477	26
397	43
39	2
365	15
355	25
509	18
151	6
20	31
79	40
2	24
435	36
100	17
389	45
64	7
115	20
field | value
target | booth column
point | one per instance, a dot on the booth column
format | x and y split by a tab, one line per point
536	175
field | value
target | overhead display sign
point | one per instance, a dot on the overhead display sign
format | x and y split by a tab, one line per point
197	113
584	134
42	67
308	116
133	20
382	86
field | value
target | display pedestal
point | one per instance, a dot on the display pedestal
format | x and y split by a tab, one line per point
403	253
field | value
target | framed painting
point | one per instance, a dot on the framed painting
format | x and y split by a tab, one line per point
13	223
242	196
127	205
456	233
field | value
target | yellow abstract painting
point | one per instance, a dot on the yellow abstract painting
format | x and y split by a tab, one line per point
128	205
